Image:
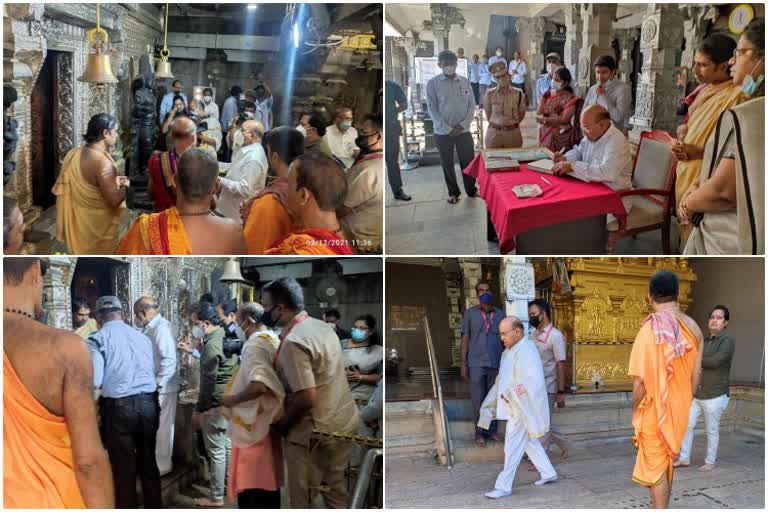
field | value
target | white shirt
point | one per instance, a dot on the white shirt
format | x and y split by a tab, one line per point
617	100
159	330
246	175
228	112
342	144
607	160
212	109
521	68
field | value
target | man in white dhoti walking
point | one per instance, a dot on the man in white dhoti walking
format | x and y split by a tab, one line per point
148	318
519	396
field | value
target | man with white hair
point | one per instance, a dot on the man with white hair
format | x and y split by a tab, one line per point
519	396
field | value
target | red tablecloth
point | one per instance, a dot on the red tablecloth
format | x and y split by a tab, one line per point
566	199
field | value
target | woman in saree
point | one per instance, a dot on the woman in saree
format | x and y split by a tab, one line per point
558	109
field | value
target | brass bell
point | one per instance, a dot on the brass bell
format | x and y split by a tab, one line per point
163	69
98	70
232	272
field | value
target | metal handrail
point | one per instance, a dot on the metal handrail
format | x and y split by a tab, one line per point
364	477
437	389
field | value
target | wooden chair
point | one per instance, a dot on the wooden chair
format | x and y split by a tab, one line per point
652	196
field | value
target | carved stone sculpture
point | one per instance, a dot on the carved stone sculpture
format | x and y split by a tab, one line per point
10	134
144	125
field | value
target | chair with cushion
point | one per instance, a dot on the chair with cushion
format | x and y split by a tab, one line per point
652	196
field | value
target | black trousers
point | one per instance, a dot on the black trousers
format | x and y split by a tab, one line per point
258	498
391	157
476	92
465	148
129	431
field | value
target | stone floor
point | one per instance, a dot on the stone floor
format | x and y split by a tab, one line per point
429	225
594	477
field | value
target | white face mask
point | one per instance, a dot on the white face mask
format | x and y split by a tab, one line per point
499	53
551	68
449	70
556	86
207	99
302	130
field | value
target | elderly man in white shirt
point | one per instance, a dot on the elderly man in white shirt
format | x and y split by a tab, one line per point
147	317
341	136
246	175
610	92
603	155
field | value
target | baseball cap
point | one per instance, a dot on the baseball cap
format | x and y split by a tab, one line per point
108	302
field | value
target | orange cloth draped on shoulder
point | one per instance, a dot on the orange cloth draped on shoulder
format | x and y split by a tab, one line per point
312	242
268	221
38	467
84	221
156	234
664	356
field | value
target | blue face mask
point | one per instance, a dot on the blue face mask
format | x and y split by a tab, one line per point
750	85
358	335
486	298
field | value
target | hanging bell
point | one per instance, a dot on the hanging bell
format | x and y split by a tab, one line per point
164	65
232	272
98	69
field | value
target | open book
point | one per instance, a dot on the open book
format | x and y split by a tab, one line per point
546	166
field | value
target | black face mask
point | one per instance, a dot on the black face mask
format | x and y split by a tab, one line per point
364	141
535	321
267	319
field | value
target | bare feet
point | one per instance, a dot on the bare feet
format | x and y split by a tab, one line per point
707	467
479	440
529	466
208	502
493	437
680	464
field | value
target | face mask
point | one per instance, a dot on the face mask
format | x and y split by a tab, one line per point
346	125
498	53
551	68
486	298
534	321
358	334
603	83
207	99
364	141
302	130
556	86
449	70
267	319
750	85
197	332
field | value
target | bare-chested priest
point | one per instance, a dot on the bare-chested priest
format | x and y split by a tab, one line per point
52	453
190	227
90	196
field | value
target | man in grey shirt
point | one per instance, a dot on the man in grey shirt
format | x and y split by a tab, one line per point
610	92
451	106
481	349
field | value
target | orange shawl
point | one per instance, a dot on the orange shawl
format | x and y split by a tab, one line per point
156	234
665	363
268	223
38	466
312	242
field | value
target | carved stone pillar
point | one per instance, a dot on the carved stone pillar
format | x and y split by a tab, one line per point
660	42
626	39
520	286
597	26
443	17
696	23
535	52
56	291
573	34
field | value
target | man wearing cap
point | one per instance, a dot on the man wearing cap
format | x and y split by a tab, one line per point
544	83
147	317
504	107
451	106
124	371
481	349
609	92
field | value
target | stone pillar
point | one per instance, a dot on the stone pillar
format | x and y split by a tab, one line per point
56	291
573	33
443	17
597	26
519	286
660	42
626	39
697	21
535	52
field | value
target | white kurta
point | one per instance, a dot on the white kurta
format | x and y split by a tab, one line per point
520	397
246	175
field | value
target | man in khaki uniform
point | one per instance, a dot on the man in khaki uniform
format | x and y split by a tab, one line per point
310	365
504	107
